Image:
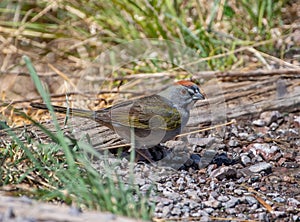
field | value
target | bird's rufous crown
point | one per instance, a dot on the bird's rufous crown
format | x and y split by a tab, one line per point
185	83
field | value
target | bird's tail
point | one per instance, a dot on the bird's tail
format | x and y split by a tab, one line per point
71	111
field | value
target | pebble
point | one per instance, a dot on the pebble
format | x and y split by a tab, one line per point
281	161
209	210
253	208
273	195
289	155
168	184
203	142
254	178
259	123
213	195
297	121
213	185
293	202
210	168
251	138
279	214
243	136
180	181
234	130
212	203
222	198
230	211
232	202
224	172
193	205
206	158
276	157
241	216
262	216
274	126
233	142
241	179
296	218
270	202
245	159
193	194
279	199
270	117
238	192
263	166
175	144
293	131
175	211
290	165
196	159
256	148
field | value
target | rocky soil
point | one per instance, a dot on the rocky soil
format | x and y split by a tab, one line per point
248	170
252	174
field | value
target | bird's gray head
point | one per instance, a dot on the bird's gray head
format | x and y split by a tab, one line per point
183	94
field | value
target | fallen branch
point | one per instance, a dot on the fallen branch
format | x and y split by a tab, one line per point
294	73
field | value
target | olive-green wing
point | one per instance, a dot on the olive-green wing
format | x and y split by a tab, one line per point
142	114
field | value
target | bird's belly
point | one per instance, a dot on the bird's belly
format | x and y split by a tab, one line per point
145	137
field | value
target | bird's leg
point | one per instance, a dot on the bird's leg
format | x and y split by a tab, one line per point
144	155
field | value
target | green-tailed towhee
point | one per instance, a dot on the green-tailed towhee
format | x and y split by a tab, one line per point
150	120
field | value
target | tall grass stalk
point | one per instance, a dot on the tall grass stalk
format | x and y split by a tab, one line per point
69	177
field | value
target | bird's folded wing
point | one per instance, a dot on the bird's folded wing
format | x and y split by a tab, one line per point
149	113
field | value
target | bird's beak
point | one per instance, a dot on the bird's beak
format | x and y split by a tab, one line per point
198	96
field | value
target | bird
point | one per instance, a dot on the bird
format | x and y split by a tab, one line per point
147	121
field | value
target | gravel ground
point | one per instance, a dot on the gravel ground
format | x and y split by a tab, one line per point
250	174
254	174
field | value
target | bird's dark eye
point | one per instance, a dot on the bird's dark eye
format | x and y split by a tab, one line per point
183	91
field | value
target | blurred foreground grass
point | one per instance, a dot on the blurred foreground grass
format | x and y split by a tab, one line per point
85	28
63	170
